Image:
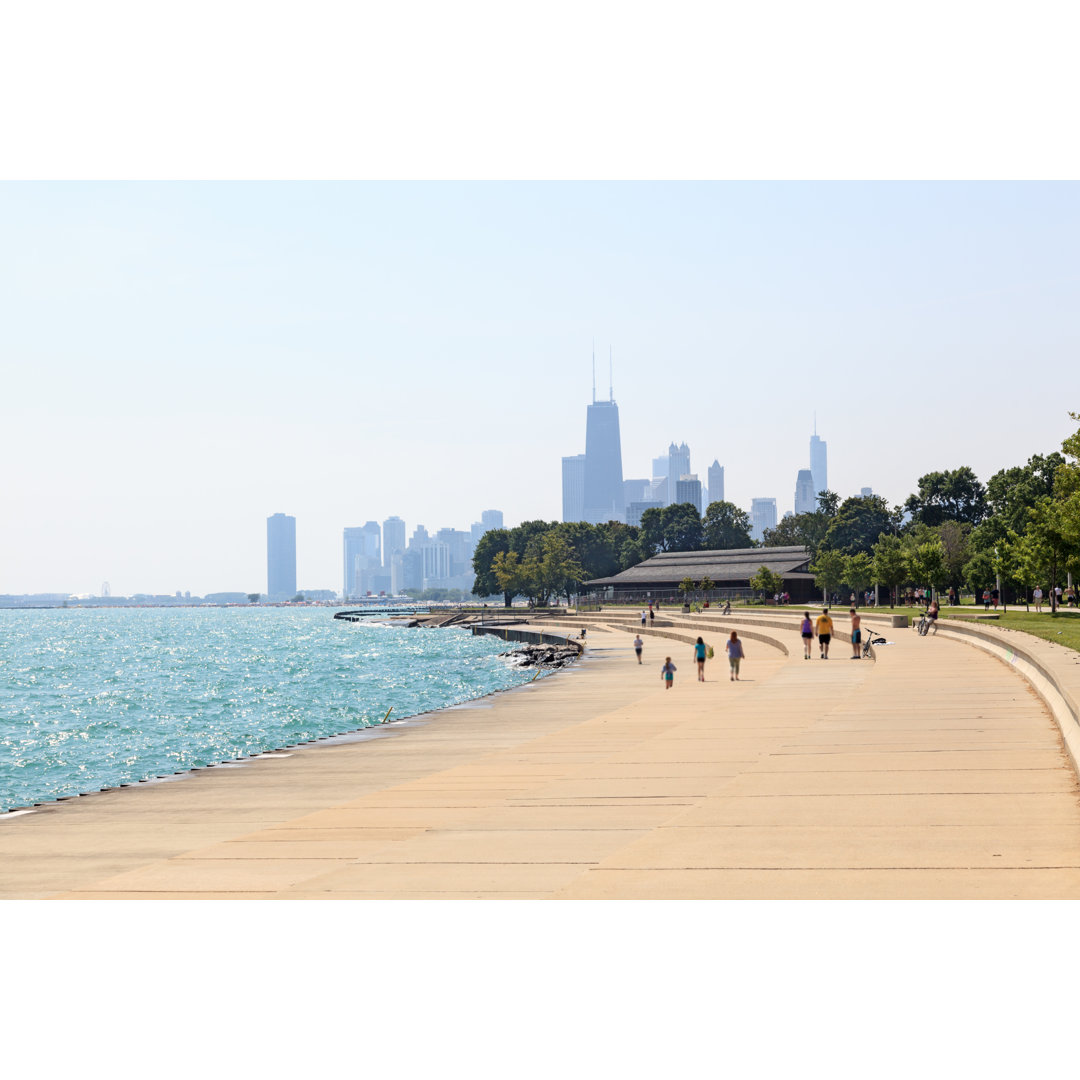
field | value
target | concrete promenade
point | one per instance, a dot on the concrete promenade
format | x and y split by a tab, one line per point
935	773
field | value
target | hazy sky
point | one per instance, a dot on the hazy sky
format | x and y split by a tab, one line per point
180	360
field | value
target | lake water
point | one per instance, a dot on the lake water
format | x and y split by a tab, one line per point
93	699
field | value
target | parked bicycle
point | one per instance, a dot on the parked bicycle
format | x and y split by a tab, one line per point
923	625
868	645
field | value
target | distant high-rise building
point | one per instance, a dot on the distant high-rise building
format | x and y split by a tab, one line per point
456	541
659	466
634	510
281	557
716	482
819	462
805	495
678	465
866	492
658	491
573	488
603	463
634	490
492	519
363	558
688	490
762	517
393	540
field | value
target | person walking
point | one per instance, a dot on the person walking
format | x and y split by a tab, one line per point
735	654
856	634
667	672
699	656
807	631
1038	599
824	633
986	599
638	643
652	615
643	617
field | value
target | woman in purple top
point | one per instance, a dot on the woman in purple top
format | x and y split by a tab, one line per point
807	631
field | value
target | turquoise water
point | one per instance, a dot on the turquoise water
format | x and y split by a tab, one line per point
93	699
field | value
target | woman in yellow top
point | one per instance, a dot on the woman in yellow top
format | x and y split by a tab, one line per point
824	633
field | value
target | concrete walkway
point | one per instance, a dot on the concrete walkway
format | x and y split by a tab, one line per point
934	773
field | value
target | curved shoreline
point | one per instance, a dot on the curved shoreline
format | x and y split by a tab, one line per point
377	729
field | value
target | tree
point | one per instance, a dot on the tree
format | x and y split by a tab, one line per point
560	570
858	523
828	502
955	495
686	587
725	526
767	582
928	563
298	598
509	575
682	527
807	530
492	543
707	584
651	532
955	537
858	572
253	597
890	565
979	572
828	571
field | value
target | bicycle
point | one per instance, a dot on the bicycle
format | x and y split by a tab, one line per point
922	627
869	643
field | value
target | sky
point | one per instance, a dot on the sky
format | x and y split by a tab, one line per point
183	359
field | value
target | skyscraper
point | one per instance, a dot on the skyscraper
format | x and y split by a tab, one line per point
492	519
819	462
363	557
716	482
762	517
805	496
281	557
393	540
688	489
573	488
603	496
678	465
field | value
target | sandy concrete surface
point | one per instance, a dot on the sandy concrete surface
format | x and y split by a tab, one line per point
936	773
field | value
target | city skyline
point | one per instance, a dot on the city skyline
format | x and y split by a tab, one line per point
433	322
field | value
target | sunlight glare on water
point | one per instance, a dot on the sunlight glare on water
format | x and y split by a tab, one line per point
92	699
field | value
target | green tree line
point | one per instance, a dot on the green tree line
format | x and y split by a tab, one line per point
1022	527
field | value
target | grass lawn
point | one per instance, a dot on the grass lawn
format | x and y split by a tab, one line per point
1062	629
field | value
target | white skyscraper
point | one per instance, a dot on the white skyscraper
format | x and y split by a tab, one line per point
762	517
716	482
819	462
805	496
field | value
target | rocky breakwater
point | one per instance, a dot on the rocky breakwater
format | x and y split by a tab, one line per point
541	656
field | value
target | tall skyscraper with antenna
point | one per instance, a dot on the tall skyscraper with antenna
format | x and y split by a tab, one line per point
603	481
819	461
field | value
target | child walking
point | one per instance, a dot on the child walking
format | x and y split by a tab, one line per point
668	673
735	654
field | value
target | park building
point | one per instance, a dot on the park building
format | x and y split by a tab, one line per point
658	578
